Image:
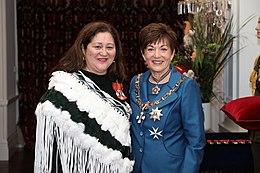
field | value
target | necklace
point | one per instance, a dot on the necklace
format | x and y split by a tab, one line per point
156	89
155	112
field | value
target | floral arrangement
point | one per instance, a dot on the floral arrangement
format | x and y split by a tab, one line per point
207	48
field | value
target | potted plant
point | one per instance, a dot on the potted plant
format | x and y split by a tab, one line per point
208	46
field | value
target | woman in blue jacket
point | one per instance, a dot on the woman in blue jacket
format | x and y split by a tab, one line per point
167	121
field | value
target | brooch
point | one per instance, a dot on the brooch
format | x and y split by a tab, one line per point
118	87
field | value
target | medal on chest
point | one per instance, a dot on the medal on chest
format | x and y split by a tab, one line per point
118	88
156	113
156	89
155	133
141	117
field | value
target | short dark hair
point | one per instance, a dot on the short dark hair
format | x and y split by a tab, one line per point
155	32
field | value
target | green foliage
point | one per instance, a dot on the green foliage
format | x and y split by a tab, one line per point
212	48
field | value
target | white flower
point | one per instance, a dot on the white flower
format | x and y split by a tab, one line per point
189	74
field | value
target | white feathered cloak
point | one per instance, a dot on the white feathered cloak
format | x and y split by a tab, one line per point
90	127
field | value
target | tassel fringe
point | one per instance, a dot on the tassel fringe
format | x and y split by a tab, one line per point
79	152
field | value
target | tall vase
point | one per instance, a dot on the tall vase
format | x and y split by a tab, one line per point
207	115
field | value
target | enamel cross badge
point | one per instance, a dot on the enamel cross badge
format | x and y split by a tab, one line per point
154	132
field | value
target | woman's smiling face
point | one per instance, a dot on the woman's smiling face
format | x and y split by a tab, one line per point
100	53
158	56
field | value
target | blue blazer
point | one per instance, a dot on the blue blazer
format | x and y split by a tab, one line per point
178	145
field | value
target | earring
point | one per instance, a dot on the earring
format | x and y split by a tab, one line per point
82	48
172	57
144	57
